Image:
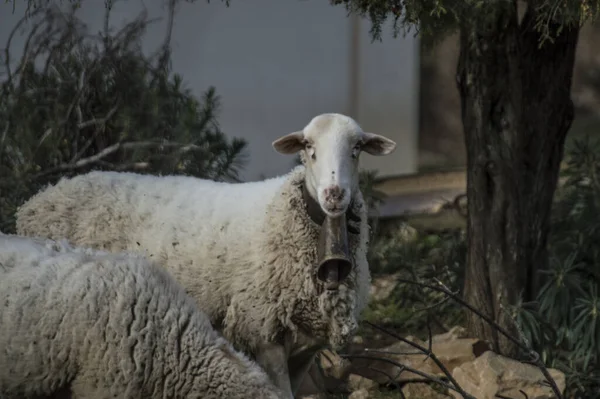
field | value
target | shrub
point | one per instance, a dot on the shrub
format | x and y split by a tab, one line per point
76	101
417	256
564	323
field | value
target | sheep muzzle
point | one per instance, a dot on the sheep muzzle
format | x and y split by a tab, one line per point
334	260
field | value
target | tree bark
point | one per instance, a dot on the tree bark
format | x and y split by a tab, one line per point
516	111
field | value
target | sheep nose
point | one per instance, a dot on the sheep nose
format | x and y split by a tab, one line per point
334	194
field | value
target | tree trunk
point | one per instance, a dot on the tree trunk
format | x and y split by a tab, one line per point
516	111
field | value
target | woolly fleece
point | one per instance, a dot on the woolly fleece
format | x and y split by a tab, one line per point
246	252
107	326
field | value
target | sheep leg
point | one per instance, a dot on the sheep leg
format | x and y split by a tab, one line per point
298	368
273	359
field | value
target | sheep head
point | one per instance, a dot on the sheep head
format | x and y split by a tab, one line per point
330	146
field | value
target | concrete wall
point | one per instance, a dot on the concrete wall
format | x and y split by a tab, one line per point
278	63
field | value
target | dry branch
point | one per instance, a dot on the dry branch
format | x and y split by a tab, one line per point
180	147
534	356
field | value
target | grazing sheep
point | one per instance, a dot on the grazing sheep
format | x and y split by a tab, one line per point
77	323
247	252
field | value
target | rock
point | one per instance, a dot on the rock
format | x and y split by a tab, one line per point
357	382
455	332
450	352
312	384
382	287
360	394
333	365
422	391
358	340
492	374
450	348
328	373
406	233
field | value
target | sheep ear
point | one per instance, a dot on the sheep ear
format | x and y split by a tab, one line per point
376	144
290	143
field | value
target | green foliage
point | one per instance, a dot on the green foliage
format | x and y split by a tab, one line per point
430	18
77	101
33	5
565	325
406	253
434	19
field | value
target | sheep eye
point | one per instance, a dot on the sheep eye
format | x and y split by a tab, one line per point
311	150
356	150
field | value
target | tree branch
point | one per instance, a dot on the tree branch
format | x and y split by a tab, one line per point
181	148
99	121
428	352
122	167
428	377
7	48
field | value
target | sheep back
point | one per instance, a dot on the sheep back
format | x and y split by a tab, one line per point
246	252
108	325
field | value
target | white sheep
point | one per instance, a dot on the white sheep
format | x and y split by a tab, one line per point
83	324
247	252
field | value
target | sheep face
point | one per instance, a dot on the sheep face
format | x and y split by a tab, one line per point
329	147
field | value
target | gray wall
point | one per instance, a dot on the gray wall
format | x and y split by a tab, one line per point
278	63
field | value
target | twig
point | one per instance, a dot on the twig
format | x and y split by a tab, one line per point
26	52
3	139
182	148
391	380
47	133
122	167
532	353
428	377
99	121
7	50
4	133
170	21
506	397
399	353
432	306
75	103
164	51
426	351
430	342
